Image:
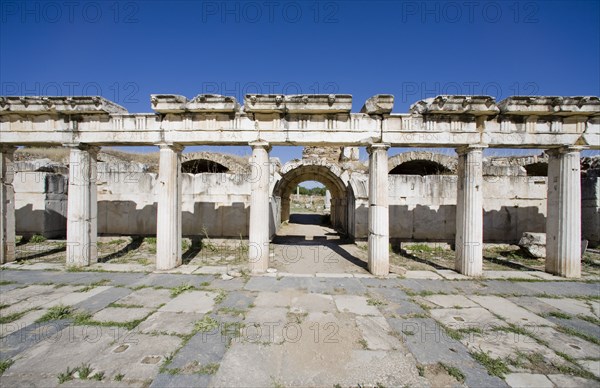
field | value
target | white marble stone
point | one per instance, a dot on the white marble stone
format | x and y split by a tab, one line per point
379	230
563	221
258	245
469	211
7	204
82	207
168	229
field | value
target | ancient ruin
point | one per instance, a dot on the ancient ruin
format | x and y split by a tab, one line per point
466	200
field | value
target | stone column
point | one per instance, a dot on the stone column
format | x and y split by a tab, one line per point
379	228
563	216
7	204
168	220
258	252
469	211
82	206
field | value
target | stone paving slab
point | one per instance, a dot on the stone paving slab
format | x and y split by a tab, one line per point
137	356
170	323
266	324
191	302
30	335
235	284
184	269
164	380
569	306
428	285
474	317
508	275
451	301
578	325
37	301
563	288
211	269
121	315
7	287
74	298
240	300
526	380
312	303
202	349
422	275
568	344
274	299
565	381
392	294
58	350
533	304
506	288
452	275
374	331
500	344
26	320
428	341
510	311
146	297
172	280
16	295
355	304
592	366
103	299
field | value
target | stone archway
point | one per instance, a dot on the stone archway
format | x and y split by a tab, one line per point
329	174
421	163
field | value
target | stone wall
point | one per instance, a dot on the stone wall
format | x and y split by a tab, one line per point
422	208
590	209
40	203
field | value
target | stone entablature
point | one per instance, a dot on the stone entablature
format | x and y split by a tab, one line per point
443	121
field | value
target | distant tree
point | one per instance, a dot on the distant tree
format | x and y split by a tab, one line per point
314	191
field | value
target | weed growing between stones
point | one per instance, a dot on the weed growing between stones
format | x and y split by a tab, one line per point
494	366
55	313
454	372
181	289
4	365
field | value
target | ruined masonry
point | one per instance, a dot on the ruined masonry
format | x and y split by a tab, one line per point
465	199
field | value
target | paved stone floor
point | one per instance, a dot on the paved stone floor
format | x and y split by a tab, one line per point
156	329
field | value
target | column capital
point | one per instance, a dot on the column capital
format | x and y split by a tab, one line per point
7	148
83	147
260	144
377	146
566	149
469	148
172	146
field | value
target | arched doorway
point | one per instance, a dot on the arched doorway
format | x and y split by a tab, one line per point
328	174
305	247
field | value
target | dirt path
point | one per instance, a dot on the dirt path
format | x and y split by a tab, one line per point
304	247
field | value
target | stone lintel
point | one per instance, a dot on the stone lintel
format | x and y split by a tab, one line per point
63	105
550	105
453	105
379	104
264	103
298	103
202	103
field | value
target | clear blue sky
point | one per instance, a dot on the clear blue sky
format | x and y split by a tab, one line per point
127	50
